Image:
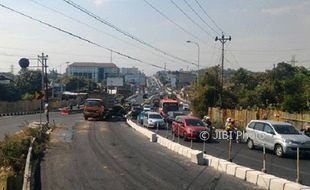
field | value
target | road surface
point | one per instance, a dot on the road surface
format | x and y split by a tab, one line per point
9	125
111	155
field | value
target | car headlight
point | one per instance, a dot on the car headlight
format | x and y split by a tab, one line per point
291	142
150	121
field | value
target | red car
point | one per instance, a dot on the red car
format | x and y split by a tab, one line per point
190	127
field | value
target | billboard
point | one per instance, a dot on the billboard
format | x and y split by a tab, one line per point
115	81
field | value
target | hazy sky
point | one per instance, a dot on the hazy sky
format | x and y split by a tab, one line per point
264	32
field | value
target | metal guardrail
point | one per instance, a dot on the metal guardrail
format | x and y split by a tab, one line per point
27	172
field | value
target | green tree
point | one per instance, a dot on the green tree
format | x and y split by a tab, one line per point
29	81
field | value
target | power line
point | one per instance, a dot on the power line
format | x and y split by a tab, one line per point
204	11
124	32
78	37
186	2
174	23
88	25
189	18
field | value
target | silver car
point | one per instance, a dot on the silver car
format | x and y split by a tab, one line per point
153	120
280	137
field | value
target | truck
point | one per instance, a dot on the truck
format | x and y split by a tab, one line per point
102	106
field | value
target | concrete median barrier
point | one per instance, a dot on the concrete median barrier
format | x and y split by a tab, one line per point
264	180
241	172
258	178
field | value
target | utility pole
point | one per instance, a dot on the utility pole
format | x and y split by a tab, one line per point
111	56
223	40
43	60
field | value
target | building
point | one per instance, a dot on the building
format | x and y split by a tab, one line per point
95	71
6	78
179	79
130	71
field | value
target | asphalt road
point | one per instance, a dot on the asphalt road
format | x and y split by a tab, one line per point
111	155
281	167
12	124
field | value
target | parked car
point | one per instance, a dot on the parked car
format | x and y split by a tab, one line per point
190	127
172	115
280	137
93	108
153	119
140	117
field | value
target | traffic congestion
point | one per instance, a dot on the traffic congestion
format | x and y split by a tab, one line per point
277	140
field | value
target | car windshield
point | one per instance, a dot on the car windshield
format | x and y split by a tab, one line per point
194	122
285	129
93	103
155	116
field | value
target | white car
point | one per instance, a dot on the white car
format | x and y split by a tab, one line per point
153	120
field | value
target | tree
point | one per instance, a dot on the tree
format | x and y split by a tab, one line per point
9	92
29	81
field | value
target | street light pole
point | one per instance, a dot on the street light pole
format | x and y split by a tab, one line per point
188	41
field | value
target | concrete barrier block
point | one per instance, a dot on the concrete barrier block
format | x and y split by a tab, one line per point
180	151
241	172
222	165
185	152
214	162
153	138
264	180
278	184
231	169
295	186
197	157
252	176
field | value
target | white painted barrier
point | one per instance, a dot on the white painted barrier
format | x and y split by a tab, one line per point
258	178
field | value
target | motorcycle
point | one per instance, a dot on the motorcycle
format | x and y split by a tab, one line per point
234	135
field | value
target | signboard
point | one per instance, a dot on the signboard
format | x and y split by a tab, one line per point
39	95
115	81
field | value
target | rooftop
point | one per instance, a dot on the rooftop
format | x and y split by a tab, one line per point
93	64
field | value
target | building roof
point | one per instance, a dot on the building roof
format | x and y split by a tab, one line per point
93	64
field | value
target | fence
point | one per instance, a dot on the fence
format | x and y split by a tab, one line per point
26	106
242	117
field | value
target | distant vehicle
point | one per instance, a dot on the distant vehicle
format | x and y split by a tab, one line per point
135	110
190	127
147	107
94	108
153	119
280	137
172	115
140	117
167	105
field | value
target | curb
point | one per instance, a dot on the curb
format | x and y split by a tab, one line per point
249	175
195	156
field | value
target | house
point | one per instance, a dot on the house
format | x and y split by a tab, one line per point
95	71
6	78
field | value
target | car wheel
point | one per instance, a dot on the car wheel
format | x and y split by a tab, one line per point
86	118
278	150
250	144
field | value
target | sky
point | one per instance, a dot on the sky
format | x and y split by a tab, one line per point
263	33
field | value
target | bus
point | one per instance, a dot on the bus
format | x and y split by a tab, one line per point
167	105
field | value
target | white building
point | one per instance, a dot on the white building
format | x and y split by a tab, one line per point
95	71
